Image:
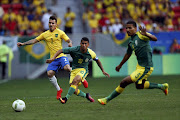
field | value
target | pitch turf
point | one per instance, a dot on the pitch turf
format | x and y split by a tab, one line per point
41	104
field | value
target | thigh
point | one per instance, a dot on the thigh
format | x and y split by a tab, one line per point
63	61
141	73
79	71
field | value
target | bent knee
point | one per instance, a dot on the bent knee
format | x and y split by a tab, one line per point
139	86
50	73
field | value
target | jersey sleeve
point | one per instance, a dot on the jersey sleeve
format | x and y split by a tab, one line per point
68	50
40	37
129	50
143	37
93	54
64	36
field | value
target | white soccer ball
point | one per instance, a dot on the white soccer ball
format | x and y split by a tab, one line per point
18	105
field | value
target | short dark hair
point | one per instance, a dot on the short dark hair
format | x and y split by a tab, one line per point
132	22
85	39
53	18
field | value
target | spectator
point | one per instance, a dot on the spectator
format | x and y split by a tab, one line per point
175	47
4	52
1	11
45	19
69	18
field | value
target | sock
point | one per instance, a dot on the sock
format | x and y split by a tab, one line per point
115	93
81	93
155	85
53	80
71	91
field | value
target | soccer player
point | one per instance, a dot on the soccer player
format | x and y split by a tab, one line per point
81	56
53	37
139	43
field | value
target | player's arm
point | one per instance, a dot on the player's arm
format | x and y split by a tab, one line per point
126	57
30	42
143	32
54	57
101	67
69	42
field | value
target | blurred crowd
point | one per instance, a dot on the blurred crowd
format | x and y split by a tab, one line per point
24	17
109	16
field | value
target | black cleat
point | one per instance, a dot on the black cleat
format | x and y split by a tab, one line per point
63	100
89	97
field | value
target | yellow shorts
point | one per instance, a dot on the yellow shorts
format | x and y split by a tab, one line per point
79	71
141	73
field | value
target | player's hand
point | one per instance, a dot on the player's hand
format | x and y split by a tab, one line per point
106	74
142	30
70	44
118	68
20	44
49	60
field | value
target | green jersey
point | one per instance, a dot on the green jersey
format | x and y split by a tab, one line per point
80	60
140	45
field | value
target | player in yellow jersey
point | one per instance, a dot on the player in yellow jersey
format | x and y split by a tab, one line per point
53	38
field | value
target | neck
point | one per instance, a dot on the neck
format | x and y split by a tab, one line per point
83	51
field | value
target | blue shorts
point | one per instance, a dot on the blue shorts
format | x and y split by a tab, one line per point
58	63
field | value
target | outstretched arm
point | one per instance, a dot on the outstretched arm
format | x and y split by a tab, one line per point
126	57
30	42
143	32
54	57
101	67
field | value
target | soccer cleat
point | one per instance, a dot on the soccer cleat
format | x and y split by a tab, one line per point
89	97
63	100
85	83
59	94
165	88
102	101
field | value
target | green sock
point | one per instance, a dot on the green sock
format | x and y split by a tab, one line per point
81	93
70	92
112	95
155	85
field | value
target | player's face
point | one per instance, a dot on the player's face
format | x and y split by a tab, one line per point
84	45
52	25
130	29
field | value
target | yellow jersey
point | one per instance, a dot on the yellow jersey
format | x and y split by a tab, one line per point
53	40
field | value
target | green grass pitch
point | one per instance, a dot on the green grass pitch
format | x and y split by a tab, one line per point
41	104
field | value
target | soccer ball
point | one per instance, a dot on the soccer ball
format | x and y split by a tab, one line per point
18	105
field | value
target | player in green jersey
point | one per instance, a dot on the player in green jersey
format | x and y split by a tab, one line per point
81	56
139	43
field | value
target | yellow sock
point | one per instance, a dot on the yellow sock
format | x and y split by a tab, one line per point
119	89
146	85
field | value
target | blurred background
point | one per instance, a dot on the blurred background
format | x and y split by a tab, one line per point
102	21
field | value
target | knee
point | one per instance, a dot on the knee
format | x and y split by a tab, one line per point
67	68
123	83
139	86
50	74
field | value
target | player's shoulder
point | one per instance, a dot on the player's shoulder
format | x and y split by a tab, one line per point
91	51
142	37
60	31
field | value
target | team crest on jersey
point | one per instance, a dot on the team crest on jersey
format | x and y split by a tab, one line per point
56	35
86	60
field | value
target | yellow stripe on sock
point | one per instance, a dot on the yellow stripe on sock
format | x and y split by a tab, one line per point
73	86
119	89
146	85
78	92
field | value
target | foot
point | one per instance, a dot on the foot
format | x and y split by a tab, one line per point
85	83
59	94
165	88
63	100
89	97
102	101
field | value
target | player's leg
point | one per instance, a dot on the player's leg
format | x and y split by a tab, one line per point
51	70
73	87
141	83
125	82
